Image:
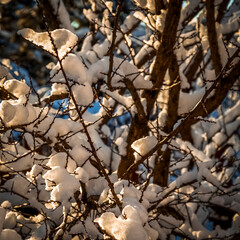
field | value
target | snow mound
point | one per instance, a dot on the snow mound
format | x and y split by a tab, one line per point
64	40
143	145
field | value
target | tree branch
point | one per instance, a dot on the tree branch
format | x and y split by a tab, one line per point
212	37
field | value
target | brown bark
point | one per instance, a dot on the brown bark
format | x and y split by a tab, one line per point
152	52
138	128
212	37
205	106
164	53
161	168
210	104
191	69
174	90
225	84
193	66
159	4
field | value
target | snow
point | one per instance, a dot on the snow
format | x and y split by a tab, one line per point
66	185
63	39
120	228
149	21
219	138
59	159
100	49
10	220
143	145
86	46
162	117
216	129
70	63
141	3
160	20
232	25
129	22
205	173
106	130
50	182
39	233
134	216
20	111
79	153
10	161
127	102
81	174
121	69
151	6
184	82
83	94
188	100
7	111
121	143
7	221
8	234
187	11
87	228
58	89
221	46
95	186
17	88
6	204
145	50
91	56
199	155
2	217
124	47
36	170
88	13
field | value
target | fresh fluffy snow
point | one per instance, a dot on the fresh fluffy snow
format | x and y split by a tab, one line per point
63	39
143	145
